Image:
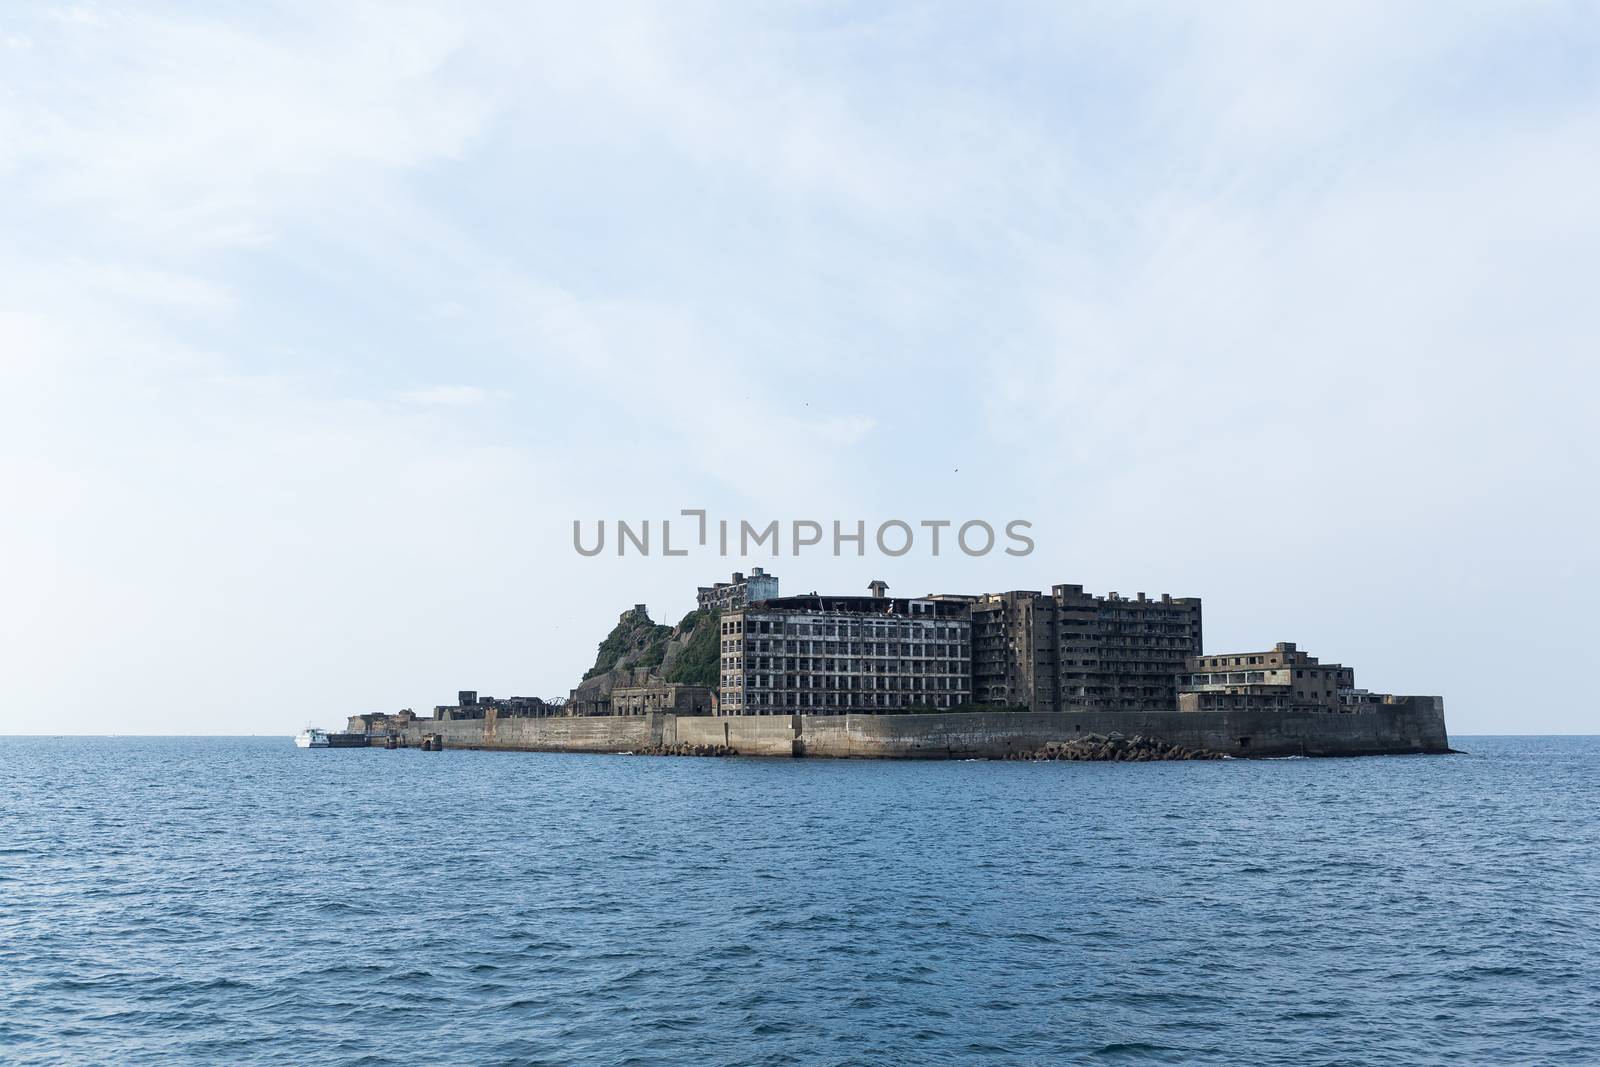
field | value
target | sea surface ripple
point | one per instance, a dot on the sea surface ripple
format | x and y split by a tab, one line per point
236	900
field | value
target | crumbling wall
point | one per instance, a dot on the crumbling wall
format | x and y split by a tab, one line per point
1412	724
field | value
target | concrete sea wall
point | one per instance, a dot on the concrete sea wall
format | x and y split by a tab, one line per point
1413	724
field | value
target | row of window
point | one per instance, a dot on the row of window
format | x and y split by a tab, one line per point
852	648
844	683
782	703
1325	676
1265	659
1121	609
921	629
853	666
980	626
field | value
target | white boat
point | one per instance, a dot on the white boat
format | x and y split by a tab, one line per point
311	737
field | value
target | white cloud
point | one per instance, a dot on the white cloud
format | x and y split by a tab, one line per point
319	325
449	396
205	134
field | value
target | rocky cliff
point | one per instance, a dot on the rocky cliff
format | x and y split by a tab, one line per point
639	651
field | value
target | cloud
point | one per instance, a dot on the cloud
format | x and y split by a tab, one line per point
206	134
449	396
318	326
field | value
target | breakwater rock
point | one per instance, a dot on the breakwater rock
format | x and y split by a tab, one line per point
1115	748
689	750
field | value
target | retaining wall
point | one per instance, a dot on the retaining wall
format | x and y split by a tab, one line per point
1414	724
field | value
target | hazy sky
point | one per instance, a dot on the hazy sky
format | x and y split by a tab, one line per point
321	323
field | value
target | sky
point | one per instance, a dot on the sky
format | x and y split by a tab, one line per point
320	325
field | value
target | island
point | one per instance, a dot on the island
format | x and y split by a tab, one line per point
1068	675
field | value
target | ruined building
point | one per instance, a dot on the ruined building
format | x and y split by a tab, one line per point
1065	651
1074	650
674	697
828	655
1283	679
469	705
379	722
730	596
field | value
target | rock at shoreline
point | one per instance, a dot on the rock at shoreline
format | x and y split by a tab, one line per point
687	749
1115	748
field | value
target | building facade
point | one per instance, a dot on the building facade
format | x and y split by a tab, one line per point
831	655
1074	650
380	722
1282	679
471	706
1065	651
741	591
670	697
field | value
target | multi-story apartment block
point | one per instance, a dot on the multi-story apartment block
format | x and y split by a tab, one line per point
1072	649
1283	679
829	655
730	596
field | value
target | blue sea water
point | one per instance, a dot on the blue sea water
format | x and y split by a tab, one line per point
205	901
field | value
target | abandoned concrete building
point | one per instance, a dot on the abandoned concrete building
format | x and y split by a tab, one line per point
1282	679
829	655
741	591
671	697
1071	649
469	705
1064	651
380	722
587	702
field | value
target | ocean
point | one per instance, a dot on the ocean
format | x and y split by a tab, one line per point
240	901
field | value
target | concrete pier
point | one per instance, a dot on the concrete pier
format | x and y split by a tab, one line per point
1410	725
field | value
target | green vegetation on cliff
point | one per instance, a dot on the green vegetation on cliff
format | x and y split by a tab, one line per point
699	663
634	632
